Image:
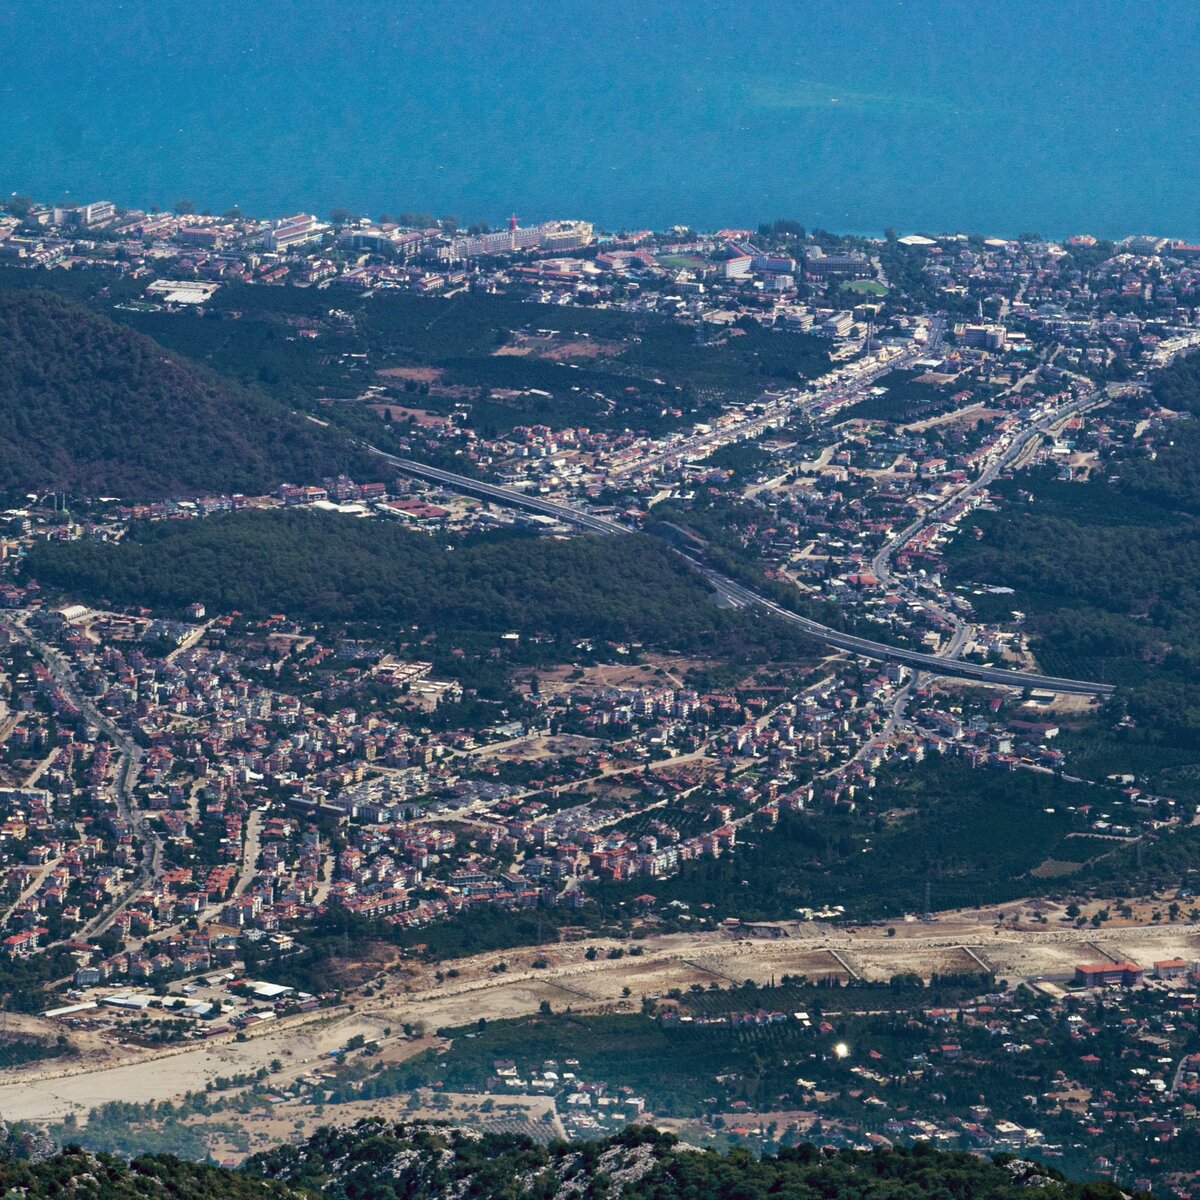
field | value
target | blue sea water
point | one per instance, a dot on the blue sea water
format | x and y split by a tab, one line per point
1055	116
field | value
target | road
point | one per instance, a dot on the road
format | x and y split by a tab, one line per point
39	877
740	596
129	757
844	386
881	563
250	852
841	388
189	641
1019	448
896	712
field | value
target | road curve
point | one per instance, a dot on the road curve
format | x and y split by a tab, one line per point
736	593
742	596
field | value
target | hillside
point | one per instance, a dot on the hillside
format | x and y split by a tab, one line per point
324	567
378	1161
28	1171
627	370
92	408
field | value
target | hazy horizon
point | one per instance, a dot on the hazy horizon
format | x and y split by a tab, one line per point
934	116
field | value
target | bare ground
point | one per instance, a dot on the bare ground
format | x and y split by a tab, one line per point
1011	941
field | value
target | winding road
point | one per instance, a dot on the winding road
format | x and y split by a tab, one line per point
741	596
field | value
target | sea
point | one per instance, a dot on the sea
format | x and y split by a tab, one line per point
1001	118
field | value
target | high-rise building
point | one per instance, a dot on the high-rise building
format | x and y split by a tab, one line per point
86	215
551	235
290	232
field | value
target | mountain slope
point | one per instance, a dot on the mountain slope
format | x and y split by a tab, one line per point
85	1176
322	567
378	1161
92	408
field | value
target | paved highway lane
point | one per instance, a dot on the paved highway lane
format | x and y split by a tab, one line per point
736	593
741	596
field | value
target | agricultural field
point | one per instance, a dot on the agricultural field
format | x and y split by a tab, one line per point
599	368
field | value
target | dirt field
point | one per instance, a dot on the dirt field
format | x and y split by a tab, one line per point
400	412
621	675
583	348
558	350
1011	941
416	374
138	1076
970	415
536	749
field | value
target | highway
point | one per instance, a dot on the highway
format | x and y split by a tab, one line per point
1022	443
737	594
740	596
503	495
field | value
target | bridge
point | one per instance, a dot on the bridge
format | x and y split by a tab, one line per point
740	596
566	513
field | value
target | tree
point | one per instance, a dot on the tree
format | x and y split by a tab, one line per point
127	400
184	207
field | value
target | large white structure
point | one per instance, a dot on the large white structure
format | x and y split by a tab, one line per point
293	231
550	235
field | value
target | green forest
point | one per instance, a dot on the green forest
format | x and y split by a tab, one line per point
1172	478
1108	571
377	1161
327	568
971	836
91	408
642	371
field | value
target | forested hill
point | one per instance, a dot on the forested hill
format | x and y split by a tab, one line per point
92	408
378	1161
324	567
375	1160
85	1176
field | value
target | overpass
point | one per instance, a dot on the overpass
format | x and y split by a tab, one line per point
740	596
737	594
566	513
